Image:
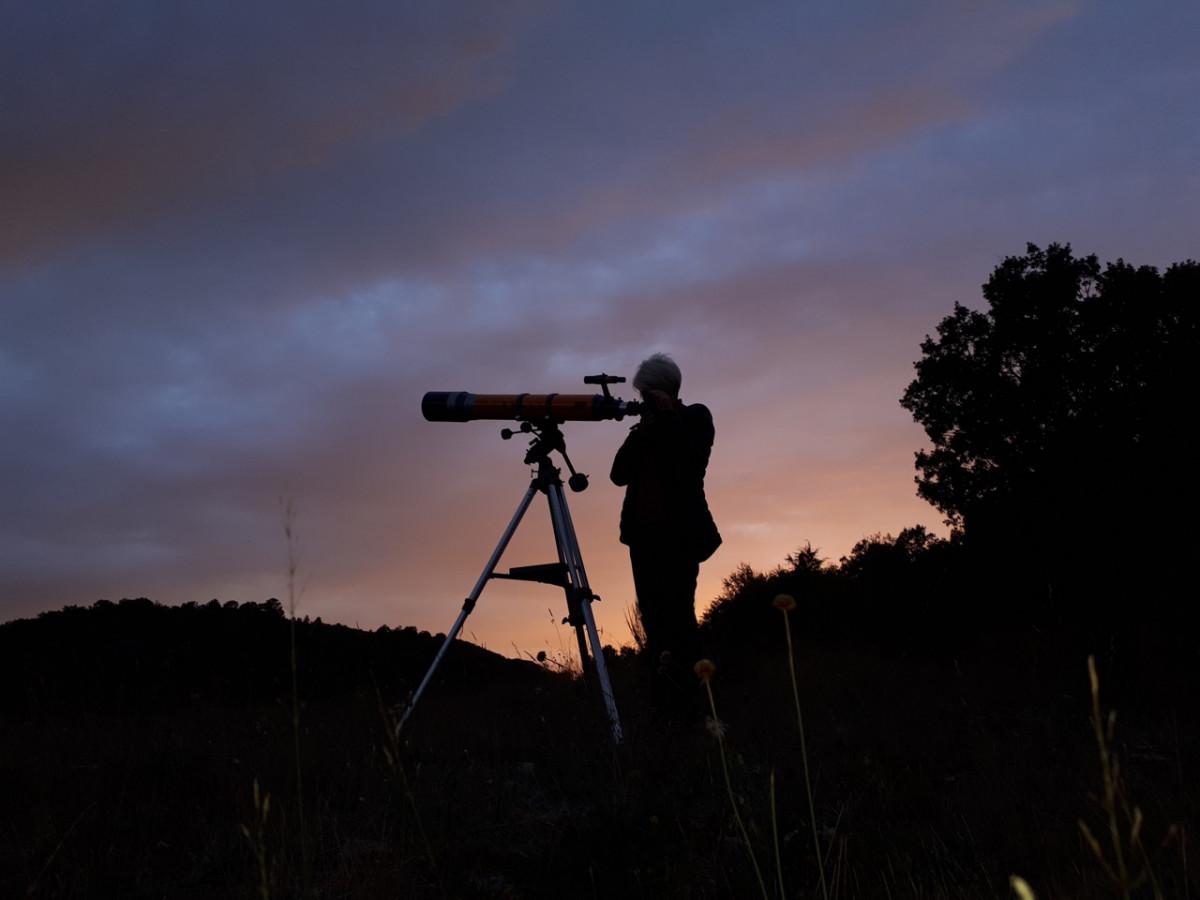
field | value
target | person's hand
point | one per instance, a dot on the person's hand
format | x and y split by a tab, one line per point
654	402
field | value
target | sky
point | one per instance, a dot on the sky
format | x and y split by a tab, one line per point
239	242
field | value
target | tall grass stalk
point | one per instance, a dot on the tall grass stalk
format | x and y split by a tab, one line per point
293	563
392	753
705	669
1021	888
637	631
1123	837
258	840
33	886
785	604
775	838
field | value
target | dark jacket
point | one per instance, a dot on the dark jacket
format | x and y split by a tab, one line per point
661	465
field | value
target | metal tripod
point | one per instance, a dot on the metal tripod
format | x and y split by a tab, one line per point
567	573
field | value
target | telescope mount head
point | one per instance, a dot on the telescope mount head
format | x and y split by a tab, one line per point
547	438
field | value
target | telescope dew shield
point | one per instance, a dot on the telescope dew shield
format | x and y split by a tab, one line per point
460	406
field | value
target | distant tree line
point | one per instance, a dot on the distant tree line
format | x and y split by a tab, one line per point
900	591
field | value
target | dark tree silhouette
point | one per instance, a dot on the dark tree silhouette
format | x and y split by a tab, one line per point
897	592
1060	418
901	589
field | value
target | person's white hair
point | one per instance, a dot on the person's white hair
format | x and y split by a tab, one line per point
658	373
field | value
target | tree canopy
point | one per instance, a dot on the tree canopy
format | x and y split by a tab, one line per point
1065	409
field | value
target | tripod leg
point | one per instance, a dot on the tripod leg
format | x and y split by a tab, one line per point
570	555
568	558
469	603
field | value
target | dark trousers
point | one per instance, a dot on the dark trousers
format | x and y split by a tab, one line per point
665	580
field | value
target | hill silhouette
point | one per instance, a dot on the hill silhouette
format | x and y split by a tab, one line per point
140	655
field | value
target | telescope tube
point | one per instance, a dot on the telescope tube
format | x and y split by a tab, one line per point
460	406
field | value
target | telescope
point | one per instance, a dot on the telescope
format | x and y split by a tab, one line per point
461	406
540	415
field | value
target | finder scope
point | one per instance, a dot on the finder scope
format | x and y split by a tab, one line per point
460	406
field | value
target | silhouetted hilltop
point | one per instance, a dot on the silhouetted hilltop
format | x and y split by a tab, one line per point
138	654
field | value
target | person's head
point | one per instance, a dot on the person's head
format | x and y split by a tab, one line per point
658	373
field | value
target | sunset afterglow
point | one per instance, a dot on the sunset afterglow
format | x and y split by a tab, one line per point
240	242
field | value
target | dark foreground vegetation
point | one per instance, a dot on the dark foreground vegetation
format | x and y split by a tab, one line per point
152	751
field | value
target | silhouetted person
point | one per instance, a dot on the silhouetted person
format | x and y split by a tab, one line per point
666	522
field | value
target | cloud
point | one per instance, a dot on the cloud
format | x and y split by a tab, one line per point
122	115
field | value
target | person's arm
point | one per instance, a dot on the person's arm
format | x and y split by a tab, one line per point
629	457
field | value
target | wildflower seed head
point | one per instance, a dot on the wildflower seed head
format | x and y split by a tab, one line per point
715	727
541	657
784	602
704	670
